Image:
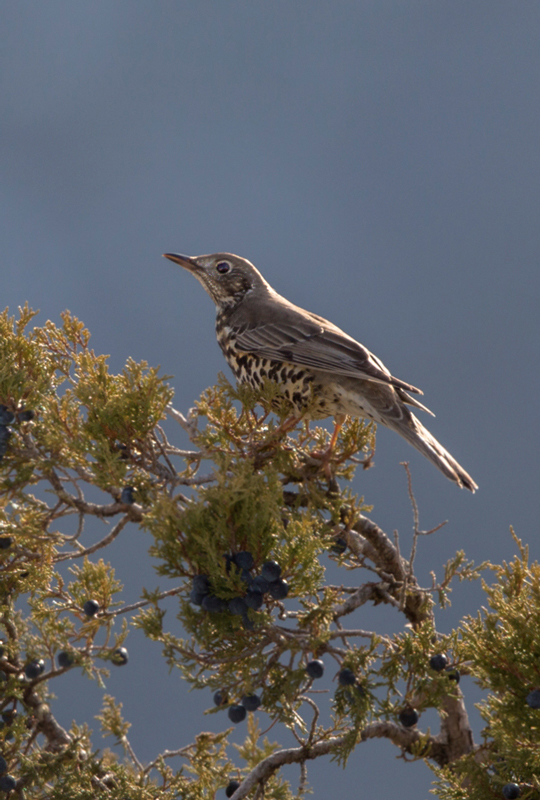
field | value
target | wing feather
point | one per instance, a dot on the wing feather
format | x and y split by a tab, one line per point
310	341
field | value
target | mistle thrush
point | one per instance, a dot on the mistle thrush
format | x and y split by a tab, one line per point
264	336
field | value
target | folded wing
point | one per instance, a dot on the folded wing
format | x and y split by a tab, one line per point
312	342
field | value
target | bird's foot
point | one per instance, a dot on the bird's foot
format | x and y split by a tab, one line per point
325	457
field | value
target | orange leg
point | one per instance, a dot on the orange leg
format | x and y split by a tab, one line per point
339	419
326	455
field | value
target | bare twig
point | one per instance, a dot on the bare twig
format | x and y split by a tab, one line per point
416	519
412	498
197	480
189	423
316	714
403	591
120	525
176	451
344	632
141	603
126	743
184	751
366	592
302	786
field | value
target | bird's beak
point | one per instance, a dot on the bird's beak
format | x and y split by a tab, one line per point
185	261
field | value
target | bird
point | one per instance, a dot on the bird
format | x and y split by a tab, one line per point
321	370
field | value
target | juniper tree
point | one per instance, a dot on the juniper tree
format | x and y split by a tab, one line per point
239	524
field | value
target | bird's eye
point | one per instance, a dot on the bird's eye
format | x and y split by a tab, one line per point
223	267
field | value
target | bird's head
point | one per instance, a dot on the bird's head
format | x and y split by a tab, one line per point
227	278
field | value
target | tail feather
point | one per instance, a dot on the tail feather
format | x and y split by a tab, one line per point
414	432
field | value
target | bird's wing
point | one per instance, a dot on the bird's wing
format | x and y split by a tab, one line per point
313	342
412	401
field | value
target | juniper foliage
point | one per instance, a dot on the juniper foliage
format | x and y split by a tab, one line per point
247	483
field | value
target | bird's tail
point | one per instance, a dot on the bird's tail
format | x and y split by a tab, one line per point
412	429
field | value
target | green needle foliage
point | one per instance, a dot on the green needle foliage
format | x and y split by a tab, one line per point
233	475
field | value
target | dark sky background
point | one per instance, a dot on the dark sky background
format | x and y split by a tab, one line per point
379	163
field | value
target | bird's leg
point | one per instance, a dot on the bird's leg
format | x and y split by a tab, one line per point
339	419
326	455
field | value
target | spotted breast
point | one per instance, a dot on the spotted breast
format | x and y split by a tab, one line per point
299	385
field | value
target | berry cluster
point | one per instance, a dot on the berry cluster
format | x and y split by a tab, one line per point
269	582
346	677
238	711
251	702
409	716
7	418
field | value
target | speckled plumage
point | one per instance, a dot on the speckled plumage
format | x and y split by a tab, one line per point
253	369
263	335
